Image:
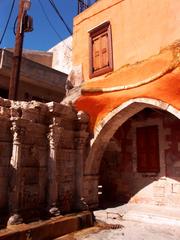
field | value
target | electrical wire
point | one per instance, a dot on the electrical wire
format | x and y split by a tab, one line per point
51	25
47	18
60	16
7	23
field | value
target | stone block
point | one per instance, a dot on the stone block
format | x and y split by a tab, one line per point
176	171
3	199
30	175
159	191
49	229
5	149
67	178
3	172
29	156
43	171
36	134
5	133
30	197
176	188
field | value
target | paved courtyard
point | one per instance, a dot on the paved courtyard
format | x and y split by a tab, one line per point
136	231
132	222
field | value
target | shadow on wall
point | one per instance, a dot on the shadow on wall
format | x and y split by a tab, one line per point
141	162
40	145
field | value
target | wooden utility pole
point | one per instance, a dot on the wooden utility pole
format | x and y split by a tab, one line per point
17	55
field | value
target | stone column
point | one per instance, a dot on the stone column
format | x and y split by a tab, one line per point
90	184
81	146
15	178
53	137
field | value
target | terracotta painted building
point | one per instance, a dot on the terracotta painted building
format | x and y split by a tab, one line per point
129	52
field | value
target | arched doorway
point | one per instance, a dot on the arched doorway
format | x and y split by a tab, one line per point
111	165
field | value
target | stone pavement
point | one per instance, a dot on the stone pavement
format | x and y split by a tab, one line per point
140	213
135	231
132	222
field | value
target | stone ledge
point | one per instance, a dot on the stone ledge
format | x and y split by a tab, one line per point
48	229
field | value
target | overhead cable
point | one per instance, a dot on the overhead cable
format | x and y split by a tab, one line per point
7	23
60	16
51	25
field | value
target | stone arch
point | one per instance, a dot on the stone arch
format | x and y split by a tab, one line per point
102	135
108	126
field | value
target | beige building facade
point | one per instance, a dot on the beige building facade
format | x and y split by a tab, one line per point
38	80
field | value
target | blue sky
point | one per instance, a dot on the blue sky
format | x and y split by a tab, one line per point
42	37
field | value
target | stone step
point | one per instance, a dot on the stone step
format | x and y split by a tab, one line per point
48	229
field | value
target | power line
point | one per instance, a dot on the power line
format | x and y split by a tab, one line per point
59	14
7	23
47	18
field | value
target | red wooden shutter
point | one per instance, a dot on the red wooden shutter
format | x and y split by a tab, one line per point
96	54
100	61
141	149
100	52
153	148
147	149
104	50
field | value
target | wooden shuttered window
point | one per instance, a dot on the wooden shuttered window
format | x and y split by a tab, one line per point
147	143
96	54
100	50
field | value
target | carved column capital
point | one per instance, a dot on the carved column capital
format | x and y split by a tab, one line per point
18	132
83	117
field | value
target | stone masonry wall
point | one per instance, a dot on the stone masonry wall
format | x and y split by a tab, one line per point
5	155
39	153
124	183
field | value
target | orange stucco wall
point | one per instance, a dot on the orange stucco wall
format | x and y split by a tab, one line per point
140	28
166	89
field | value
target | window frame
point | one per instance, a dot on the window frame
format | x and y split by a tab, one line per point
103	28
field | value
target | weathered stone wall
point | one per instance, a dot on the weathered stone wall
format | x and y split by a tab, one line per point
119	176
44	149
5	155
39	152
